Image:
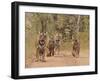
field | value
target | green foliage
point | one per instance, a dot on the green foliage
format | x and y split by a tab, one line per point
66	25
84	23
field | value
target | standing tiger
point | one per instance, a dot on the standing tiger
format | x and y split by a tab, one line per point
40	51
76	48
51	46
57	45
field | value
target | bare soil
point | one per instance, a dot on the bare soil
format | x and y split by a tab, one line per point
63	59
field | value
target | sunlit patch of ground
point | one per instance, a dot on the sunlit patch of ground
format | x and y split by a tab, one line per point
65	58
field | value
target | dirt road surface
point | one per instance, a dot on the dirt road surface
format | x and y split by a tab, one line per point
63	59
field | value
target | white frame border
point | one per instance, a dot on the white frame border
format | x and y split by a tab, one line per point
53	70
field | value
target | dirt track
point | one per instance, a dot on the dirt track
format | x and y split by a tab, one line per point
61	60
